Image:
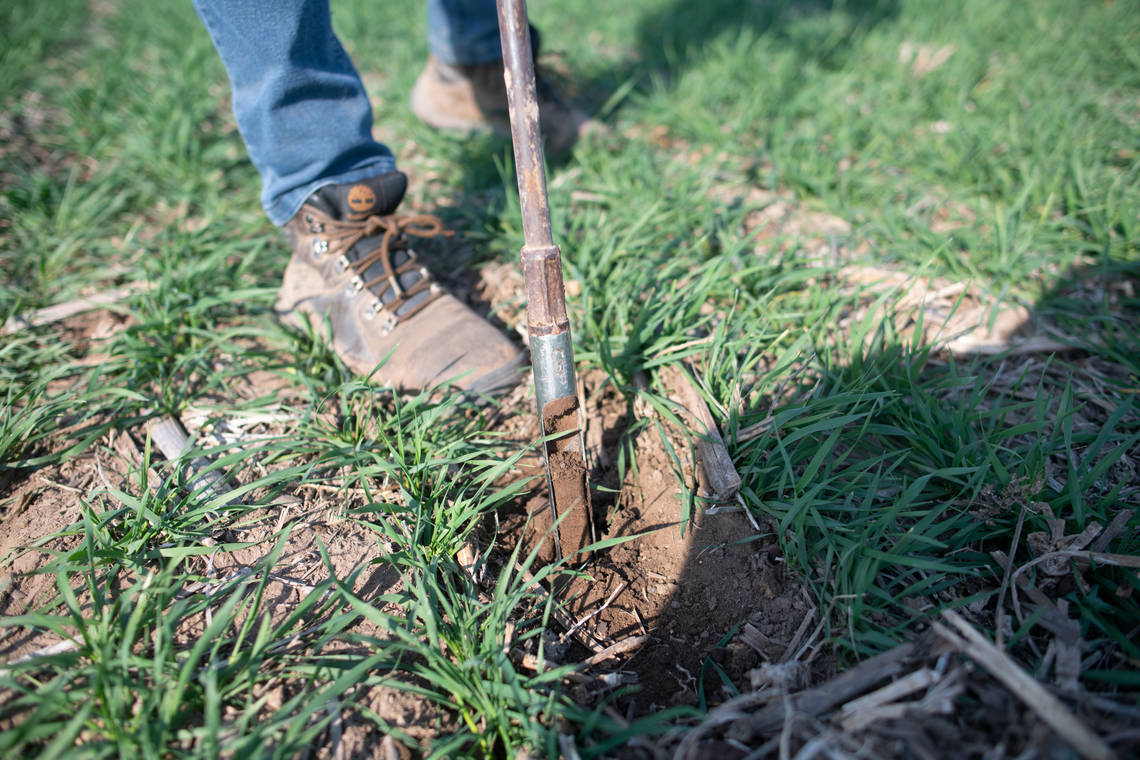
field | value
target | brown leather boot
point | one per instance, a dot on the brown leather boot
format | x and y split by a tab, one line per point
352	264
473	97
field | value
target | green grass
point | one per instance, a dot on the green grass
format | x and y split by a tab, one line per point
891	472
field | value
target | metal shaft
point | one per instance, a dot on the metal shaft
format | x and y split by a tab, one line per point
541	259
547	323
522	101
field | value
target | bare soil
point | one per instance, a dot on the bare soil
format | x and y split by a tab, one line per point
689	585
39	513
699	588
36	508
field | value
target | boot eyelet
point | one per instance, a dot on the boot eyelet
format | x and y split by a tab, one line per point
316	227
320	247
355	285
377	307
341	264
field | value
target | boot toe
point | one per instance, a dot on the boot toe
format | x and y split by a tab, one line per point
449	344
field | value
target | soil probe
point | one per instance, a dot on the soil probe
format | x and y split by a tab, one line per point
548	327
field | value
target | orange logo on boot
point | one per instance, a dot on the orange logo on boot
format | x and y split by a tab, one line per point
361	199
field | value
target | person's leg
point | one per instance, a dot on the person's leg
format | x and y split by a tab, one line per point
299	102
464	31
307	125
461	88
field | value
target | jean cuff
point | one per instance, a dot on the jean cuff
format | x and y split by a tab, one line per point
285	207
443	48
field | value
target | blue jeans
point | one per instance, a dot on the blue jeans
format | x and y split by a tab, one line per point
299	102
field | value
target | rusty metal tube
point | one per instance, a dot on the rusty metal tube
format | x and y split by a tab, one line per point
541	259
522	102
548	326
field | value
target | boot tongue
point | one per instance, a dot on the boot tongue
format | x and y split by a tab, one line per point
384	291
356	201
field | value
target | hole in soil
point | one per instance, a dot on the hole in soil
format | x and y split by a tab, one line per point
688	587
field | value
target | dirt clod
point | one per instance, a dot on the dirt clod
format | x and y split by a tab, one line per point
572	495
560	416
568	479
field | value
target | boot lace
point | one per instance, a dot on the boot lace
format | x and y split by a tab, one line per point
395	300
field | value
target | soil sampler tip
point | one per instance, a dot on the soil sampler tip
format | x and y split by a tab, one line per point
568	520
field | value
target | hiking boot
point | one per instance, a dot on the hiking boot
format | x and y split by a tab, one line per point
472	97
353	264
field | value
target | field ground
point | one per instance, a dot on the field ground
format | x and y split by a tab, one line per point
893	245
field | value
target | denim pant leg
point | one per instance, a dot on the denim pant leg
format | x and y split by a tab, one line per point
299	102
464	31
